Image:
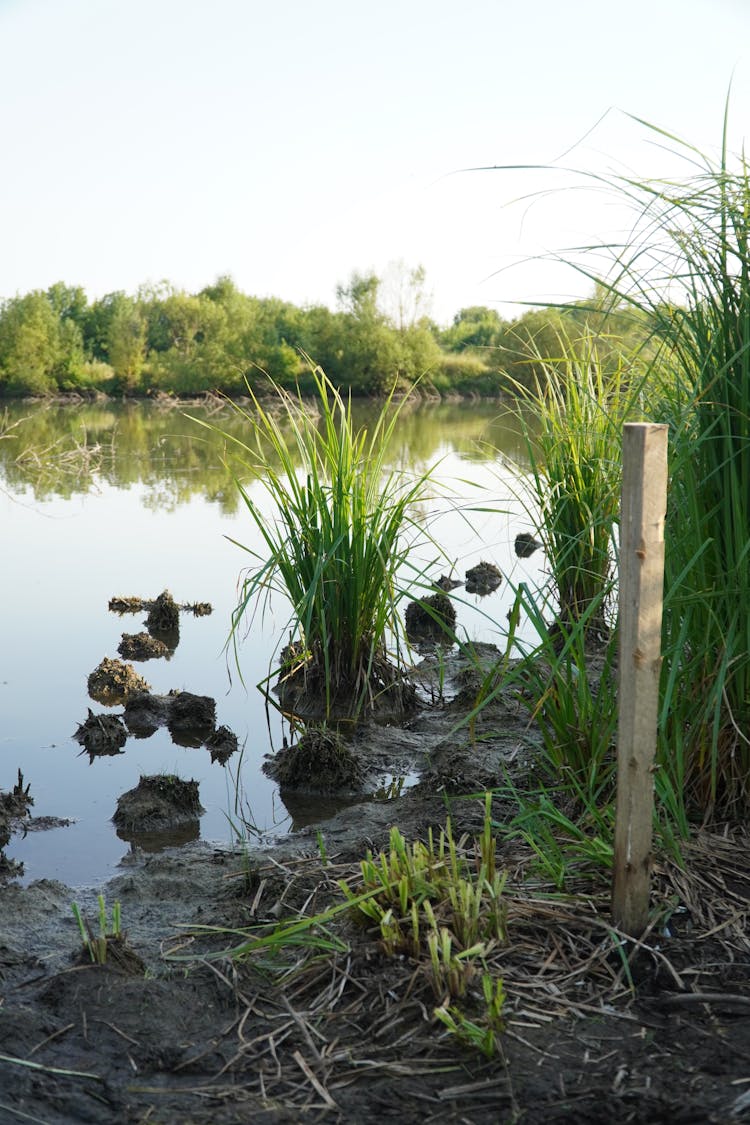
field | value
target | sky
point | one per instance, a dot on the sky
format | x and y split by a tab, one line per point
288	143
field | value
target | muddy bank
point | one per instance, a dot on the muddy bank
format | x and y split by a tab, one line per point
350	1035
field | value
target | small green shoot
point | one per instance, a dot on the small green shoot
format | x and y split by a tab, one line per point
430	901
96	943
479	1036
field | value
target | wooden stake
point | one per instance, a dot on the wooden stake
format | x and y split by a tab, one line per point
644	503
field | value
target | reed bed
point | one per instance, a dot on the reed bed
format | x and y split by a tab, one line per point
685	272
688	268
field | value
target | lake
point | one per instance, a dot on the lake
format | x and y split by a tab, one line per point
114	500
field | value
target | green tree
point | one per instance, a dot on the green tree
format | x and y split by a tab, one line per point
369	348
126	341
474	327
68	302
30	345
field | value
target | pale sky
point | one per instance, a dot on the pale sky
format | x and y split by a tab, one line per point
290	142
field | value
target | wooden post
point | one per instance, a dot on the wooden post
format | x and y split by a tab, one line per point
644	503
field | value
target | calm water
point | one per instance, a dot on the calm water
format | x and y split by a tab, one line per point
152	507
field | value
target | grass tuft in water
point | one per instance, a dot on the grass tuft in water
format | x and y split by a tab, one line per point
340	531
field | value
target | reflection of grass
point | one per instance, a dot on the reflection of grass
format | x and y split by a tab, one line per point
69	459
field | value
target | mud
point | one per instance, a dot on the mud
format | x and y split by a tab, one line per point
141	646
123	605
101	734
14	816
164	615
182	1034
301	689
322	761
483	578
431	619
157	804
190	719
112	682
222	743
525	545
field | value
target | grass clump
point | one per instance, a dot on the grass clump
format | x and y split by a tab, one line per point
705	713
97	942
572	421
417	876
686	271
566	677
334	546
440	903
429	901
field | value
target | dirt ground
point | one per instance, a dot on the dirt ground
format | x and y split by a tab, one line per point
595	1030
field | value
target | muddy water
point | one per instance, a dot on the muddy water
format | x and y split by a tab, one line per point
103	501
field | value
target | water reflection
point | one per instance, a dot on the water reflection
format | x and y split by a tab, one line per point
147	503
61	451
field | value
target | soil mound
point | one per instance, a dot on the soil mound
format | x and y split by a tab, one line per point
141	646
483	578
321	762
157	803
430	619
101	734
222	744
164	615
304	694
525	545
113	682
14	807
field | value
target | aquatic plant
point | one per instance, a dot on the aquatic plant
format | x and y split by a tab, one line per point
341	532
687	267
685	272
572	422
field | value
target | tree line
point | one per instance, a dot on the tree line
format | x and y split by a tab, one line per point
220	339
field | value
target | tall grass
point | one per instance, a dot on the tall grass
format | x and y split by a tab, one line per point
567	678
688	267
573	421
341	531
685	270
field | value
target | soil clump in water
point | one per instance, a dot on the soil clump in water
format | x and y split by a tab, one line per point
114	682
101	734
142	646
483	579
157	803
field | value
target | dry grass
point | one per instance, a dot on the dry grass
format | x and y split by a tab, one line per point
329	1023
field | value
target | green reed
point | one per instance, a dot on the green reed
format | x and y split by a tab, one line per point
573	421
685	271
688	267
340	532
